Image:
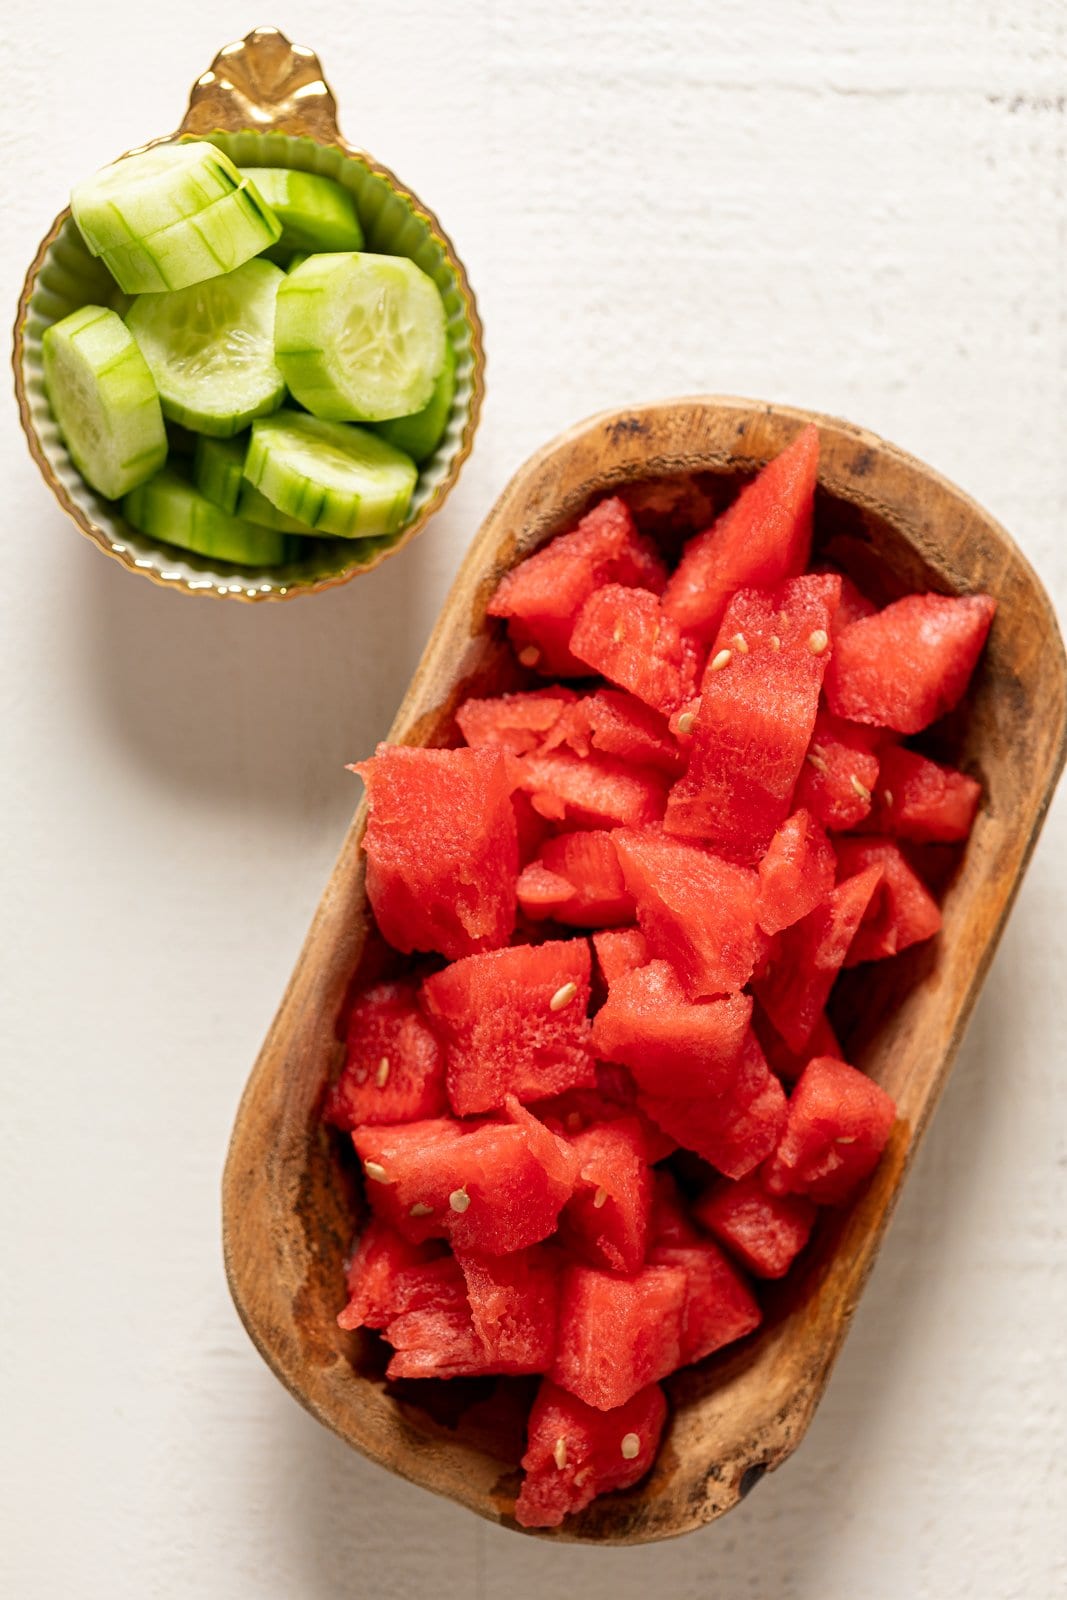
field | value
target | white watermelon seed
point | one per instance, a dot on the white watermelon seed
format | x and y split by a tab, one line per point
631	1446
818	641
721	660
381	1077
740	643
599	1198
459	1200
559	1452
687	722
859	788
376	1172
563	996
420	1210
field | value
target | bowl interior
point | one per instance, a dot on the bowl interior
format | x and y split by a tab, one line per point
394	224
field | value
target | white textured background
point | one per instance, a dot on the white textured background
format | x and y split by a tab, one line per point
857	207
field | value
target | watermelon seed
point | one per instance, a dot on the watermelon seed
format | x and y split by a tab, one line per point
818	641
631	1446
376	1172
859	788
530	656
774	642
574	1121
582	1477
740	643
721	660
599	1198
887	795
617	633
420	1210
559	1452
687	722
817	762
845	1138
381	1077
563	996
459	1200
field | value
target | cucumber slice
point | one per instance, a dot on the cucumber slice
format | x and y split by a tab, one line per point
210	348
104	401
153	189
217	468
330	476
214	241
315	213
360	337
168	508
255	507
418	436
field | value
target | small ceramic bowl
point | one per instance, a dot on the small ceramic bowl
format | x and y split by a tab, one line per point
266	103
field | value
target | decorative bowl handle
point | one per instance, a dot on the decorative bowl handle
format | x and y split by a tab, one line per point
263	81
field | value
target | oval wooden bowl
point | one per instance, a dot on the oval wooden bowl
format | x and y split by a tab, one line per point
289	1197
266	103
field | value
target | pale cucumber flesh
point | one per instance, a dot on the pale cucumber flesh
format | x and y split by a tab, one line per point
168	508
218	465
153	189
218	239
330	476
315	212
419	435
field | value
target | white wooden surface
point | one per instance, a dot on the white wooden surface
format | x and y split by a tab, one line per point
854	207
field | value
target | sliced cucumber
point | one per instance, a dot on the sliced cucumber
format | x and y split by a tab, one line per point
153	189
330	476
217	468
168	508
104	401
211	348
315	213
255	507
419	435
215	240
360	337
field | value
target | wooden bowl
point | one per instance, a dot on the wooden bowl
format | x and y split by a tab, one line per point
266	103
289	1199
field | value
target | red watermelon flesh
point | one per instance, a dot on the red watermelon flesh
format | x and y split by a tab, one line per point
615	1096
719	1305
588	861
575	1452
788	1064
672	1045
618	1333
764	1232
902	911
442	849
394	1066
432	1334
911	663
490	1187
386	1276
594	792
531	827
618	724
542	893
763	538
620	950
543	595
670	1221
514	1307
696	910
757	712
625	635
839	1122
796	874
839	774
808	956
853	605
921	800
513	1022
516	722
736	1131
605	1221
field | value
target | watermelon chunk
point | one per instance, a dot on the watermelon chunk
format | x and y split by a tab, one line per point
394	1067
758	701
618	1333
738	1129
513	1022
386	1277
796	874
620	950
839	1122
514	1307
902	911
605	1221
763	538
672	1045
764	1232
531	827
515	722
697	911
489	1187
589	863
853	605
670	1222
839	774
921	800
719	1305
575	1452
614	1097
626	636
911	663
542	893
617	724
788	1064
594	792
808	956
442	849
542	596
431	1332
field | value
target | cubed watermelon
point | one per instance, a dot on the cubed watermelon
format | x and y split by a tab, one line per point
758	701
807	957
489	1187
738	1129
626	636
543	595
432	1334
921	800
673	1046
442	849
670	1221
761	539
531	827
386	1276
911	663
796	874
839	774
697	911
839	1122
594	792
618	724
394	1066
516	722
618	1333
513	1022
575	1452
543	894
902	911
788	1064
620	950
605	1221
514	1307
587	860
764	1232
719	1305
852	606
615	1096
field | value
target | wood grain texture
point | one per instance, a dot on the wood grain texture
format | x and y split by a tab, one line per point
289	1199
